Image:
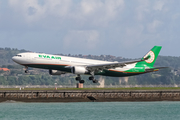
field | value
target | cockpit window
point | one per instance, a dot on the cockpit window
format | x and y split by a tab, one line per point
19	55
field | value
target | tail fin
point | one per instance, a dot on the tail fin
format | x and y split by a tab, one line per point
151	55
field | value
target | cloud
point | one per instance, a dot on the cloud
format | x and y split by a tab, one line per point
87	39
133	36
152	27
141	9
101	13
33	11
97	11
95	25
158	5
89	7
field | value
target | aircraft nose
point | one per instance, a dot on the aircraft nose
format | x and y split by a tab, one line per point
14	58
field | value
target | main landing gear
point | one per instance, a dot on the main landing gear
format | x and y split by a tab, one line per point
93	79
26	69
78	78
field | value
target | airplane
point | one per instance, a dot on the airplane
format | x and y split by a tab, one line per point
58	65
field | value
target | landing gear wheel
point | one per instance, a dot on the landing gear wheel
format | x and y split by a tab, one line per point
95	81
78	78
91	78
26	71
81	81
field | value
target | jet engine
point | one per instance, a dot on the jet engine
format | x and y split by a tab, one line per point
79	70
55	72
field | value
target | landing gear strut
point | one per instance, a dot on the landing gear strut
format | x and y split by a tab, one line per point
78	78
92	78
26	69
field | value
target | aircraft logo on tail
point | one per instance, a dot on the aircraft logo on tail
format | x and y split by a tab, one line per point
151	55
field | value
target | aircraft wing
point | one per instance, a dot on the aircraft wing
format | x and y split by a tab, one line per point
111	65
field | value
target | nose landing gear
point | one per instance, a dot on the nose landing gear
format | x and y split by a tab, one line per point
26	69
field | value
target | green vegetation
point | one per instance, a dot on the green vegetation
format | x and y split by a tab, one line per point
6	55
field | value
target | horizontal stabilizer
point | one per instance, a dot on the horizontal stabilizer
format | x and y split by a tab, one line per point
154	69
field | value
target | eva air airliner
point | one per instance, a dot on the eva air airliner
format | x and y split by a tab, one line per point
58	65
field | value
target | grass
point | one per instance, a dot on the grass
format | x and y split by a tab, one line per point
134	88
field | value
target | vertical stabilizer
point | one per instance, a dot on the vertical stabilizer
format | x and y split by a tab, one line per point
152	56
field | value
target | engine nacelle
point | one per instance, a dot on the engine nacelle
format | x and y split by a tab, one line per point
55	72
79	70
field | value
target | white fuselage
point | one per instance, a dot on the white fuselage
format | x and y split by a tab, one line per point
29	58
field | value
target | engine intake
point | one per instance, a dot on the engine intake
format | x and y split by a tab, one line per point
79	70
55	72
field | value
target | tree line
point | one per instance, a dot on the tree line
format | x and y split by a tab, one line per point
37	77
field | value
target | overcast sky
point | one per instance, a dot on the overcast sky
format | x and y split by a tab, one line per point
127	28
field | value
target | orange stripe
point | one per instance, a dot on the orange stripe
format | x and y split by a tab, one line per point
124	71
